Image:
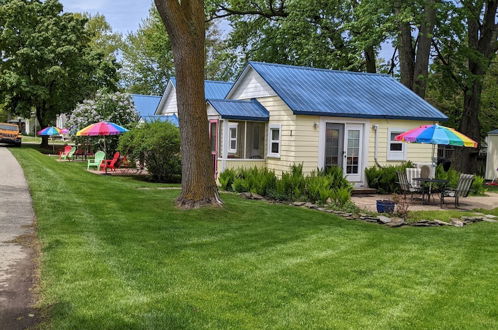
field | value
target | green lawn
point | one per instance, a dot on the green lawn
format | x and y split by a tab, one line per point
119	257
37	139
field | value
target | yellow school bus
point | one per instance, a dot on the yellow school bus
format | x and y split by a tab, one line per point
9	133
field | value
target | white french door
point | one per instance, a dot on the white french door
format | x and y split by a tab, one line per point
353	153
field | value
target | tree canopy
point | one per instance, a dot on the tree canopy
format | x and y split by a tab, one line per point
46	62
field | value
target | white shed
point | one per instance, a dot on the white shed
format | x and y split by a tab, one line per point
492	156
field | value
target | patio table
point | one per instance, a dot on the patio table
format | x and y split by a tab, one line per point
429	183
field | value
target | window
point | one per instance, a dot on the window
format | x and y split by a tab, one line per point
274	140
396	150
232	137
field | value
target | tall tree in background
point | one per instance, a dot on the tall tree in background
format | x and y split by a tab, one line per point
185	23
148	58
466	44
321	33
414	51
46	62
103	39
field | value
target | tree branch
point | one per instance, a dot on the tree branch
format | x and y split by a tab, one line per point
447	64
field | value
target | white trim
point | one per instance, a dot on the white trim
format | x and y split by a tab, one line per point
395	155
242	159
230	138
364	142
271	141
162	101
263	90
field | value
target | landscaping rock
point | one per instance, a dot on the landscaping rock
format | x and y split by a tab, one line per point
311	205
384	219
246	195
471	219
456	222
489	220
298	203
256	196
441	223
396	222
490	216
322	209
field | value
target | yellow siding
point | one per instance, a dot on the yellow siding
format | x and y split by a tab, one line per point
416	152
232	164
299	139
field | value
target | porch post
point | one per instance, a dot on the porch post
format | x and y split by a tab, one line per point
224	148
245	140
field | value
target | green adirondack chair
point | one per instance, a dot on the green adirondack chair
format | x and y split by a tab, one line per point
99	157
69	155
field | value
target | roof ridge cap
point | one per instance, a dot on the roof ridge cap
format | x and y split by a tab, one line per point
299	67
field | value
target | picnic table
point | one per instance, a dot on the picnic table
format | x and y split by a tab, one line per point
427	182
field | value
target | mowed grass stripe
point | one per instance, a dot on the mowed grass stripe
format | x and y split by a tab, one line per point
116	256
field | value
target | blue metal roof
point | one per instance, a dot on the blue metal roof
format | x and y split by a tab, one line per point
213	89
240	109
145	104
493	132
173	119
310	91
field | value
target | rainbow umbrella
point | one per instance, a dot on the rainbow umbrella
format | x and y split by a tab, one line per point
51	130
436	134
102	128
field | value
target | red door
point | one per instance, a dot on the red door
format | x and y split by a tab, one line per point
213	137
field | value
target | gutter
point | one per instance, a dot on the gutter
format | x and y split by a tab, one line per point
376	128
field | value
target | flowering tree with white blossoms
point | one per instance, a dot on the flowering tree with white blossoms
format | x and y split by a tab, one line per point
113	107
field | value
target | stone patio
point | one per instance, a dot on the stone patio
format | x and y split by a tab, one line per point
368	202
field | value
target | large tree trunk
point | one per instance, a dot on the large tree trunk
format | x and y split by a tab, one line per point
43	124
482	38
184	22
421	69
405	48
370	59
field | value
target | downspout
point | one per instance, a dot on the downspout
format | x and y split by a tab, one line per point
376	128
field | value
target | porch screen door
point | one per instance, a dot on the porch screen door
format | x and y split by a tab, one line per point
353	152
334	145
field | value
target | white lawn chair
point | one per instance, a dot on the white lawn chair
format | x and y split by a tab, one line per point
412	173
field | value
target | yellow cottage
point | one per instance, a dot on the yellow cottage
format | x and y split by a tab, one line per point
278	115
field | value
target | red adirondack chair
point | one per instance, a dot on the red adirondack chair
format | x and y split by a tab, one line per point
66	151
110	163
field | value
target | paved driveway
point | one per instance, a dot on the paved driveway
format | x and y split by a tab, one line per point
16	246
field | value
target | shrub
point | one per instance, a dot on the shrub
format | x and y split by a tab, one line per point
478	187
341	196
293	185
385	179
318	188
157	145
240	185
226	179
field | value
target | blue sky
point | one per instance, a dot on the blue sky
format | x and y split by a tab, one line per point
123	15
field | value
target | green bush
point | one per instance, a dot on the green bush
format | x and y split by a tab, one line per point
478	187
157	146
293	185
318	188
226	179
340	196
385	179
